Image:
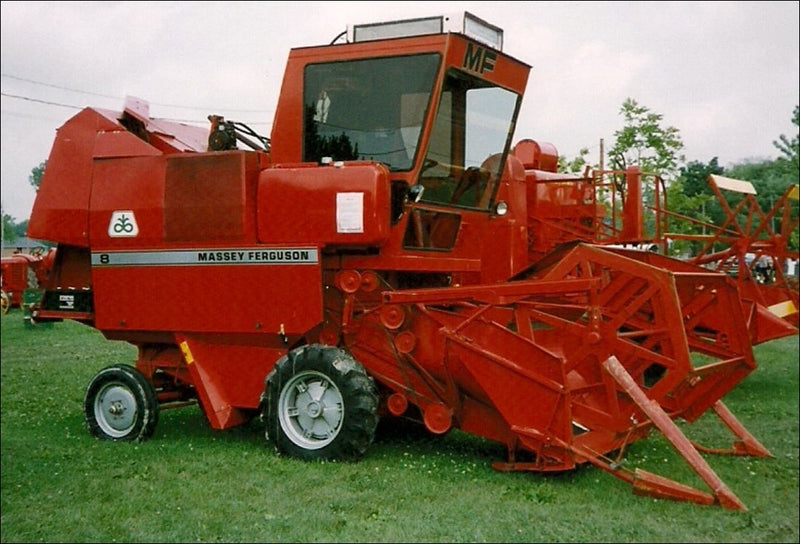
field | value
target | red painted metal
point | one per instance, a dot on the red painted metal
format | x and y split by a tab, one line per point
749	247
658	486
600	209
22	271
490	301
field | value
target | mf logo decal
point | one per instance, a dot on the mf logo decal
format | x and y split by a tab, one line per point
479	59
123	225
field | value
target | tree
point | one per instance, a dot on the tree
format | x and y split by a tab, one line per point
21	228
9	228
790	148
35	178
700	201
13	230
695	177
643	142
575	166
691	196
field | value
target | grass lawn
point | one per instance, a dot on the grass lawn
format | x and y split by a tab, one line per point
189	483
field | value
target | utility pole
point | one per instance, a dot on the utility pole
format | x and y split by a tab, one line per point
602	155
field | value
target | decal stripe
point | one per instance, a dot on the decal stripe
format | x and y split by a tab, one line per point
217	256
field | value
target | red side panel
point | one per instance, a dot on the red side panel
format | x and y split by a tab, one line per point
134	185
121	143
61	210
229	377
237	289
348	205
194	198
174	249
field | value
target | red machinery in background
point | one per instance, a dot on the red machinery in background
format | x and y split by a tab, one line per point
22	271
750	247
608	208
385	254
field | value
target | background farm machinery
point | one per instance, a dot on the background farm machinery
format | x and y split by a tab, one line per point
21	272
388	253
752	245
610	208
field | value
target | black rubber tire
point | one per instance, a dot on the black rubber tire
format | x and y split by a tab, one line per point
319	403
121	405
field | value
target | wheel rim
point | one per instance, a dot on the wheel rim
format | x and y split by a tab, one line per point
115	410
311	410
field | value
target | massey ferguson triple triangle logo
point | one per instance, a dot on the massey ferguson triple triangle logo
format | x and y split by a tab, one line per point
123	225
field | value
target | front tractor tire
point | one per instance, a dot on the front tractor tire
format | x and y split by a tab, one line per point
319	403
121	405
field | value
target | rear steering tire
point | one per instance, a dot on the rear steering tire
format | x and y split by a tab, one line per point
319	403
121	405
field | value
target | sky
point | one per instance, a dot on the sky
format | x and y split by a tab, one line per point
725	74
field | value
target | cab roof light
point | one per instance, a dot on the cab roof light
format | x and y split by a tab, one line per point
462	22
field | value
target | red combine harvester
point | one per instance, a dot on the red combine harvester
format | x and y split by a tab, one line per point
386	253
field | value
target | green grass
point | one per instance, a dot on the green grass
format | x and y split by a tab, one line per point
190	483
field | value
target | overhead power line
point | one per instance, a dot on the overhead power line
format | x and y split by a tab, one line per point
200	108
40	101
56	86
51	103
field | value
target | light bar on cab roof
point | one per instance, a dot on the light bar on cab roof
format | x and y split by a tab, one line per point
462	22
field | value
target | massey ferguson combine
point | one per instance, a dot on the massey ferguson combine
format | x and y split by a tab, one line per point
386	253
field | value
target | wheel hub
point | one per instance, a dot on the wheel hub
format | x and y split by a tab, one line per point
116	408
314	409
310	410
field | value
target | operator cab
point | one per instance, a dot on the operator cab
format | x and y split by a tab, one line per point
375	109
434	96
435	100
